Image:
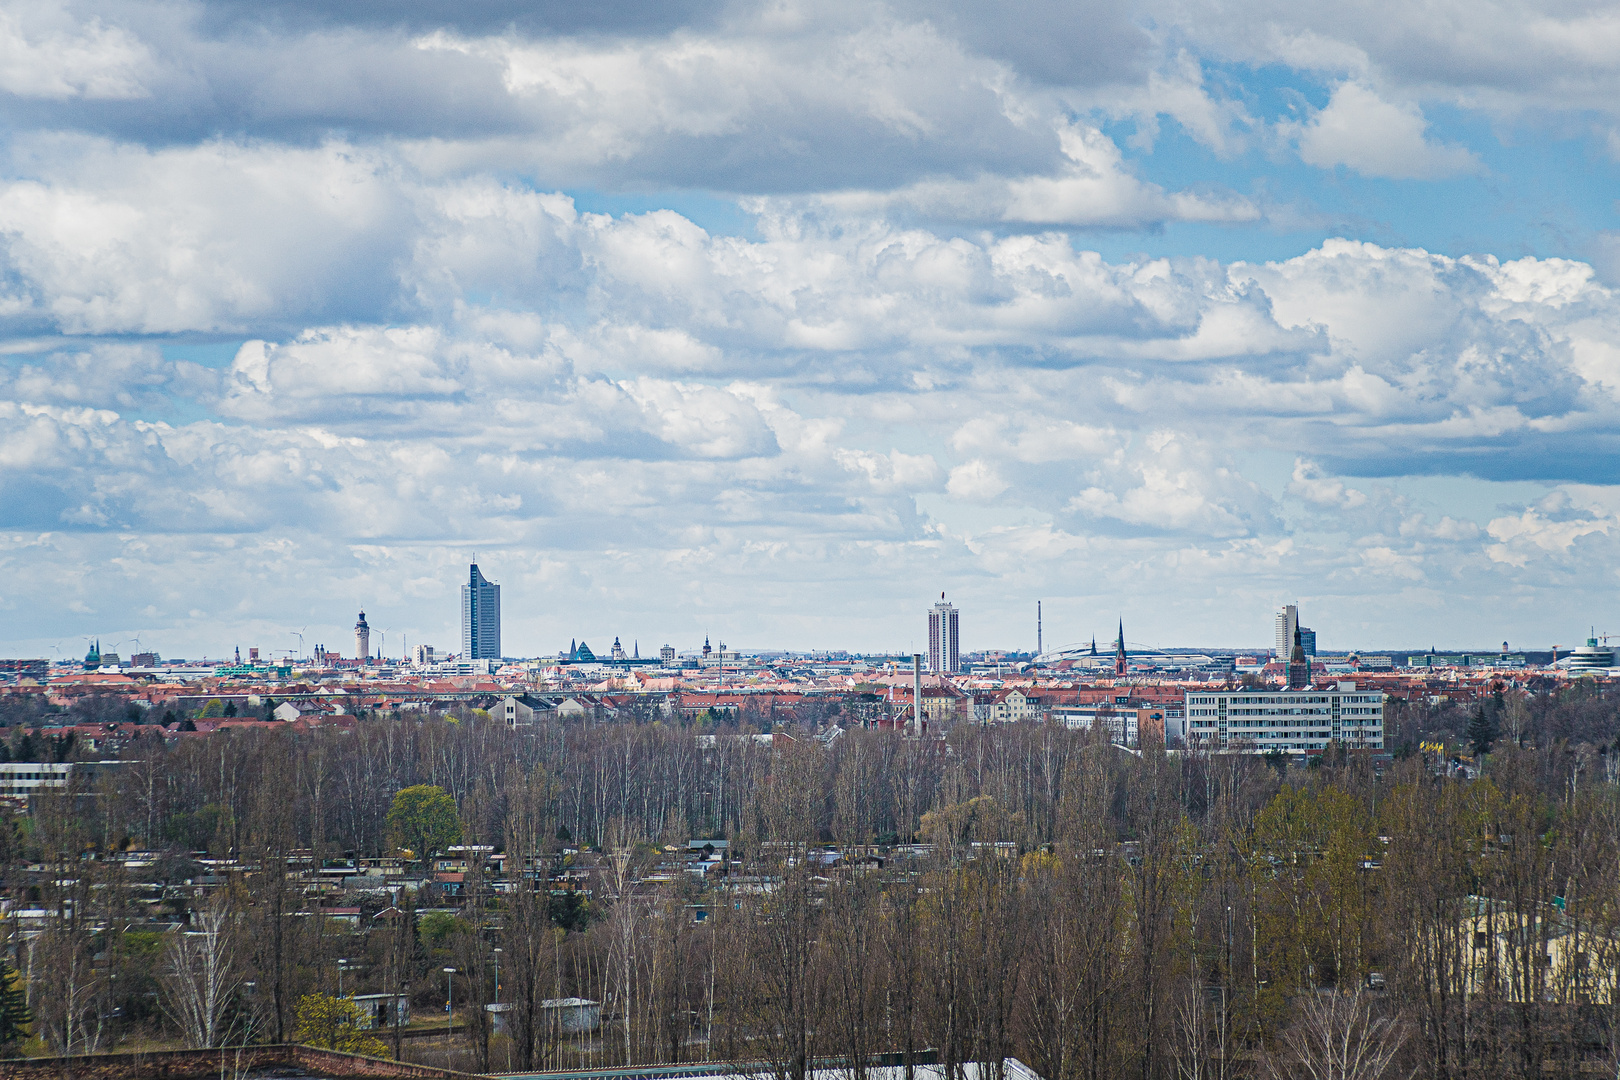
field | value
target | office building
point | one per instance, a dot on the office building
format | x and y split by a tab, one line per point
1591	657
1307	641
667	655
944	639
480	617
362	640
1292	721
1287	623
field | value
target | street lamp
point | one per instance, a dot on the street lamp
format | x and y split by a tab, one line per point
449	1030
497	974
342	964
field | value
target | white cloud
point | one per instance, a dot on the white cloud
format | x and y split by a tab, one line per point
46	53
1310	484
1093	187
975	480
1362	131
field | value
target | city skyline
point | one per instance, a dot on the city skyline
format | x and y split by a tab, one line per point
1155	310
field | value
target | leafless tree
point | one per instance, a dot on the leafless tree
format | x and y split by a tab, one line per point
201	976
1337	1037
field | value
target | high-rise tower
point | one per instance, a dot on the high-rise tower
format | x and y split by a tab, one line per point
480	617
362	640
944	639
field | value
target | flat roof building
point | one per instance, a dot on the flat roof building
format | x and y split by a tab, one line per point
1293	721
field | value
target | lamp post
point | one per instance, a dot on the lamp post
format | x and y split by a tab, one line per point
497	974
341	965
449	1000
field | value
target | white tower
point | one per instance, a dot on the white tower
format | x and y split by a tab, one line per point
1287	624
944	640
362	639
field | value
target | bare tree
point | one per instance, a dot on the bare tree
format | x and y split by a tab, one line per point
1337	1037
201	976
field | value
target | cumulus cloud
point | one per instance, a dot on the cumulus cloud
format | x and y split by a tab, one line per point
1093	188
387	320
1361	130
46	52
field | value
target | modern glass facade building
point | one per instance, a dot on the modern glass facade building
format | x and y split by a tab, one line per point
480	617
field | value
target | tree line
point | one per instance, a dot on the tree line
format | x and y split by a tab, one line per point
1018	891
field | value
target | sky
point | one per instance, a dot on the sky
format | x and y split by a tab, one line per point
770	322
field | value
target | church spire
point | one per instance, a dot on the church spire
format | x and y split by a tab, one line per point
1119	650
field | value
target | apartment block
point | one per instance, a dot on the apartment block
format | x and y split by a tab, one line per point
1293	721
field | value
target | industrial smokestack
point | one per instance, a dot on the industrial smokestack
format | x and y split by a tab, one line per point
916	694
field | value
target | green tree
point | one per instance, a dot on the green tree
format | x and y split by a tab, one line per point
333	1023
1482	730
424	820
14	1015
213	710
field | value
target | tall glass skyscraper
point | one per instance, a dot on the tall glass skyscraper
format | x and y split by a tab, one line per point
480	617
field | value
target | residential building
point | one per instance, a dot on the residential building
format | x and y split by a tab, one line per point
1001	706
1293	721
1287	625
1125	724
944	639
480	617
519	710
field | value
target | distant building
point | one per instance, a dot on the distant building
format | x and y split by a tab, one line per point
1591	657
20	779
618	649
24	669
1307	640
519	710
362	639
944	639
425	654
1299	665
1293	721
480	617
1287	623
667	655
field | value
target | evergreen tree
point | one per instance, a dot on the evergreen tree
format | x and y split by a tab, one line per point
14	1015
1482	730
